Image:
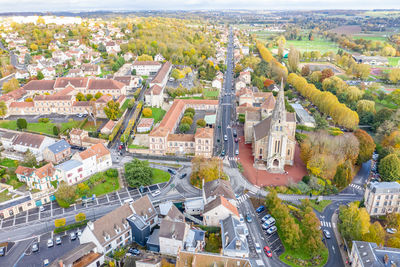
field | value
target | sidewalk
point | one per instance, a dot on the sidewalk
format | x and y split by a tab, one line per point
339	239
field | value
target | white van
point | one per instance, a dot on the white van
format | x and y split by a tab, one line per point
258	248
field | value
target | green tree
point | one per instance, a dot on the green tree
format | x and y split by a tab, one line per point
138	173
98	95
389	168
144	57
59	222
147	112
65	194
133	72
184	127
343	175
89	97
40	75
187	120
27	59
355	221
80	97
29	159
3	109
10	85
111	110
21	123
394	75
201	123
56	130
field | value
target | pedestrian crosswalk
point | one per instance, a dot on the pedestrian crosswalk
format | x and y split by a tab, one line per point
356	186
231	158
242	198
326	224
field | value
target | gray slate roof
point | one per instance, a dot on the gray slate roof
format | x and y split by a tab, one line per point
384	187
230	235
59	146
69	165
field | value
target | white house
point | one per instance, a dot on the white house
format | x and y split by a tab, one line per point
110	231
22	74
70	171
146	67
239	85
219	209
96	158
172	236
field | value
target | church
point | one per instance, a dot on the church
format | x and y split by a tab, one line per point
272	134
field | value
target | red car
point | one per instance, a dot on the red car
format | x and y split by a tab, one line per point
236	140
267	251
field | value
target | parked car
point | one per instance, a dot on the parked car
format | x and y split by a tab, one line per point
50	243
237	152
236	140
268	223
79	233
327	234
41	209
58	240
134	251
266	217
155	193
129	200
391	230
225	137
249	219
260	209
234	133
258	248
183	175
72	236
272	230
2	251
171	171
46	262
267	251
35	247
241	219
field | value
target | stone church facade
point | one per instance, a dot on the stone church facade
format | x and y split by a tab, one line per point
272	136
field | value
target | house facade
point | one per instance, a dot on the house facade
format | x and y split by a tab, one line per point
57	152
381	198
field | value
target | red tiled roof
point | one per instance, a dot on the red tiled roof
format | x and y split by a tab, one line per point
181	137
99	84
46	170
22	105
109	125
21	170
155	89
162	72
13	95
104	99
79	82
204	133
39	85
146	122
140	63
220	200
269	103
81	104
66	91
53	97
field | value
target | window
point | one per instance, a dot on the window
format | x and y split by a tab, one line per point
288	152
375	210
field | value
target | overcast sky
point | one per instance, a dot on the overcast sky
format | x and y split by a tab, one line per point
77	5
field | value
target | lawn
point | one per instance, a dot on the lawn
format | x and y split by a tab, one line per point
298	254
321	206
101	184
4	196
160	176
157	114
393	61
40	127
172	165
137	146
125	105
320	45
10	163
208	93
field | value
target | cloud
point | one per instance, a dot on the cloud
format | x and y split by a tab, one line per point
77	5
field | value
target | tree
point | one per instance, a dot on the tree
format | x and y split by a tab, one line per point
138	173
56	130
394	241
29	159
80	217
361	71
315	76
394	75
131	103
3	109
376	234
133	72
65	194
367	146
111	110
365	106
147	112
21	123
293	59
40	75
59	222
311	233
184	127
89	97
305	71
343	175
207	169
187	120
320	121
144	57
355	221
34	47
389	168
102	48
395	96
98	95
10	86
80	97
177	74
326	73
201	123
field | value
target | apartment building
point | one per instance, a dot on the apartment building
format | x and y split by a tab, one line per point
37	178
146	68
382	198
154	95
368	254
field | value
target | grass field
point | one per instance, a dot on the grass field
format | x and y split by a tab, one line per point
125	105
394	61
210	93
4	196
10	163
39	127
160	176
264	35
371	37
320	45
321	206
137	146
108	185
157	114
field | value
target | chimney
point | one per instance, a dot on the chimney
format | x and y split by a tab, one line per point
90	225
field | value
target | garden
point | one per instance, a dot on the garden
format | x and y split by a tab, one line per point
156	113
7	173
139	173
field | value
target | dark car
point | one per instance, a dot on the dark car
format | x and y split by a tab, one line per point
35	247
260	209
171	171
2	251
183	175
236	140
134	251
234	133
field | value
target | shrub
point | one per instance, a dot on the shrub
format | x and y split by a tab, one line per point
189	114
191	110
69	227
306	179
56	130
201	123
80	217
59	222
22	124
112	173
43	120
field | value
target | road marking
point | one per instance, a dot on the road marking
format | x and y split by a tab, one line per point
333	248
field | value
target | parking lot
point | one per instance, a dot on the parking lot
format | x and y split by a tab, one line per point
273	240
54	210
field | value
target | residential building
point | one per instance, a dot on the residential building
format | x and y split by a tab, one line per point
108	127
154	95
234	238
39	179
172	236
245	76
217	83
79	137
159	57
96	158
368	254
382	198
84	255
218	209
70	171
147	68
199	259
216	188
163	140
143	220
57	152
195	240
145	125
90	69
110	232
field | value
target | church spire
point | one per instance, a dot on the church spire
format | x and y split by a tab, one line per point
279	112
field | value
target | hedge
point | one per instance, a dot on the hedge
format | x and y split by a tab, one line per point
70	226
